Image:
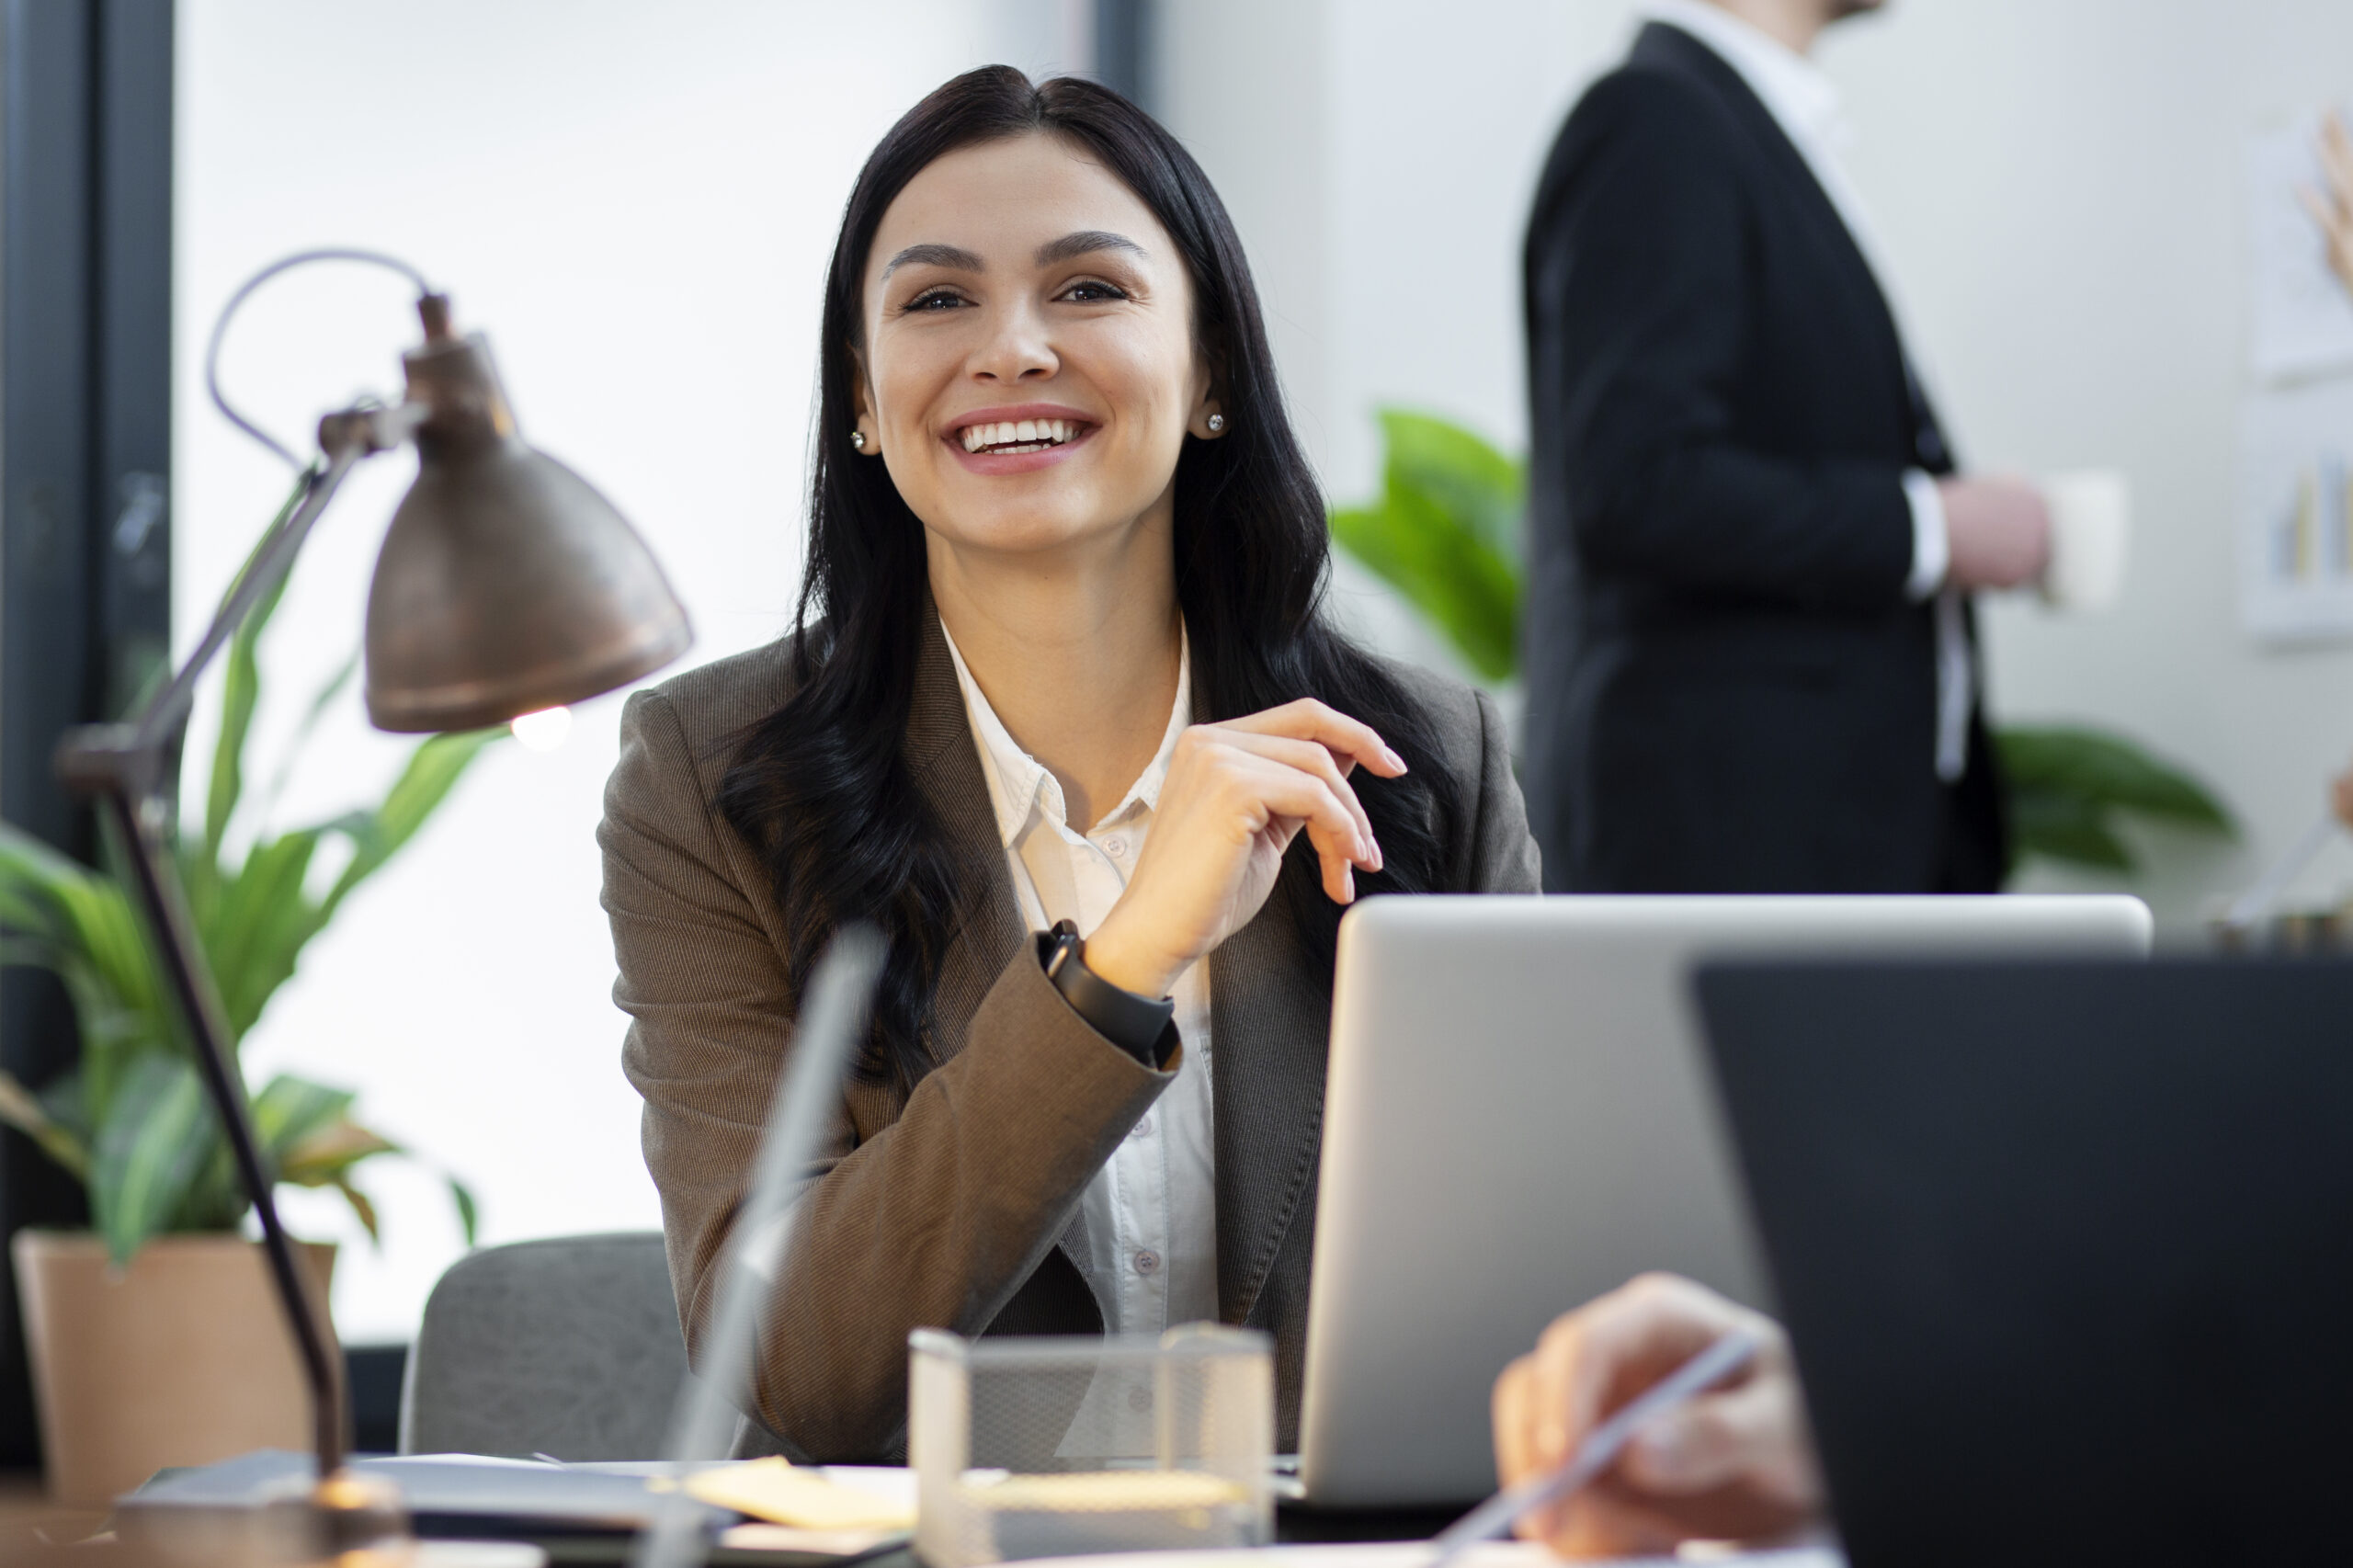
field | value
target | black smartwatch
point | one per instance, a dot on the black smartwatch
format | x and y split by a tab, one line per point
1143	1028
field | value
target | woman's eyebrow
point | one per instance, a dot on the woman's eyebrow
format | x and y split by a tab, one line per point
1086	242
934	255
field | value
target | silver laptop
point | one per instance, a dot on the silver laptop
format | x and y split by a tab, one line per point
1518	1118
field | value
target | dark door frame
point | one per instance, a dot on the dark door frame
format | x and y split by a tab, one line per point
85	363
1123	49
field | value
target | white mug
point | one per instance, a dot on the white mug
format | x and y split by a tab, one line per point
2091	531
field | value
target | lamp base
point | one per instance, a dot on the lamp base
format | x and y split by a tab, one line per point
346	1521
342	1519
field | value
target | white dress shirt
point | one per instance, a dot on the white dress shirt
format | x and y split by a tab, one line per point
1805	102
1149	1218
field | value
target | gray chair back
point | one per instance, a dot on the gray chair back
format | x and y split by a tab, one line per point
568	1346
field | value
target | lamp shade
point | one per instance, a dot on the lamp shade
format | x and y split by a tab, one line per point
506	584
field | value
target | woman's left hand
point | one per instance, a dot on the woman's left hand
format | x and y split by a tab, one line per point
1238	793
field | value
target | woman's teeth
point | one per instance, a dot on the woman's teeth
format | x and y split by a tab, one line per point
1017	435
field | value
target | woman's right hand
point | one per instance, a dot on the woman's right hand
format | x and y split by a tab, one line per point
1236	794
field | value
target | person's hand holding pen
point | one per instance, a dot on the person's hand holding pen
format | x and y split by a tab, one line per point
2333	209
1736	1463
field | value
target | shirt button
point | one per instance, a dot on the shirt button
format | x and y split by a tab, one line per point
1116	848
1147	1262
1143	1129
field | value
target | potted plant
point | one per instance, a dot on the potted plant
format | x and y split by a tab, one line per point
155	1338
1445	532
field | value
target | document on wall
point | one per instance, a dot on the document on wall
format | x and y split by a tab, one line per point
2295	512
2301	317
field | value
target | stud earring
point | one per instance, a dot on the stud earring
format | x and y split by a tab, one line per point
858	439
1216	423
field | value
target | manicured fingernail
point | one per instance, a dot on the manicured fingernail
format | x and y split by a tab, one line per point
1374	845
1348	884
1395	760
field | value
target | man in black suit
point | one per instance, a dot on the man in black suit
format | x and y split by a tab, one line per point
1750	661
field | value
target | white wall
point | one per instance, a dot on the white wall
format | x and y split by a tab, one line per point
637	203
2058	187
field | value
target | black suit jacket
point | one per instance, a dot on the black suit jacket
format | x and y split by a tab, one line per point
1728	686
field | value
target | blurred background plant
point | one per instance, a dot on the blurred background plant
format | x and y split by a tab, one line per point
131	1120
1446	534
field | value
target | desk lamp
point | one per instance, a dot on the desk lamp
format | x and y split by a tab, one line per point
506	585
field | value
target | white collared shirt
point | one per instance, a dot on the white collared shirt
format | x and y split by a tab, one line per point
1150	1215
1805	102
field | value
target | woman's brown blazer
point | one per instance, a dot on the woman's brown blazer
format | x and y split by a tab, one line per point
952	1206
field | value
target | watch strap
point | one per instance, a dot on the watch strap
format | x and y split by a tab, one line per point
1145	1029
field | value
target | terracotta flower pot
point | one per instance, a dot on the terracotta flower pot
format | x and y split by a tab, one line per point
184	1357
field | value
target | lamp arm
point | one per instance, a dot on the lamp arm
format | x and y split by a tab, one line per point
158	720
122	767
143	826
347	438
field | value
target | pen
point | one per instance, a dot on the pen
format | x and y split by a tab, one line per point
1598	1451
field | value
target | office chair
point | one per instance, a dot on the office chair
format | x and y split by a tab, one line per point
567	1347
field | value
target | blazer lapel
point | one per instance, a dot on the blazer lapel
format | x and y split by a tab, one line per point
940	754
1268	1024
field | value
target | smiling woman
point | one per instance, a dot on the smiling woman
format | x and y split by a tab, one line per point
1062	716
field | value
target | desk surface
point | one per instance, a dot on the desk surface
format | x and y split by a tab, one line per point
29	1522
35	1530
1294	1526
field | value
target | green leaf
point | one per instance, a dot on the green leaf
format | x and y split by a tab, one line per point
63	1101
1484	489
259	926
31	900
21	1109
362	1206
241	691
1446	535
1470	593
115	929
61	915
114	1035
2069	785
469	1211
154	1141
329	1153
216	1198
433	770
40	887
289	1111
2110	772
2065	826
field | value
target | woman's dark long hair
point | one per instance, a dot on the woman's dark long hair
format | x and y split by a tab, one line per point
820	787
